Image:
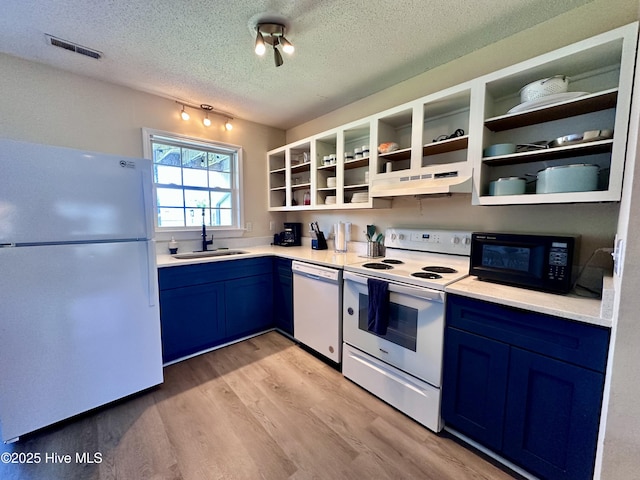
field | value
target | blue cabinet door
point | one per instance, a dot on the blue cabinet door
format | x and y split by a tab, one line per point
248	305
474	386
552	416
192	319
283	295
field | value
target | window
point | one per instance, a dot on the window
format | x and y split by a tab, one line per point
195	181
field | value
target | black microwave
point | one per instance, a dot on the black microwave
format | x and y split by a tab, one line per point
539	262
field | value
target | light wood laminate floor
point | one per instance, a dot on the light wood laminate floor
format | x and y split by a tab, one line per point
260	409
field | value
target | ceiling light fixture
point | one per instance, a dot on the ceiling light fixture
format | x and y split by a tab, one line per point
185	116
208	109
272	34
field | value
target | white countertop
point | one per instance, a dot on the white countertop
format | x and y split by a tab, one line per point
573	307
328	258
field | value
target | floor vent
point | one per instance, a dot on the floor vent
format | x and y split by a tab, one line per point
73	47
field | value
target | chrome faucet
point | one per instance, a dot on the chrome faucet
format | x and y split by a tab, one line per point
205	242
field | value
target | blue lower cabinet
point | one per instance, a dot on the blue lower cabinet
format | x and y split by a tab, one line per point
475	386
527	386
207	304
248	305
552	416
283	295
192	319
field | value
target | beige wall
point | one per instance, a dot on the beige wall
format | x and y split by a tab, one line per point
45	105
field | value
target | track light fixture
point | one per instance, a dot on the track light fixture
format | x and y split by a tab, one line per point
272	34
206	121
185	116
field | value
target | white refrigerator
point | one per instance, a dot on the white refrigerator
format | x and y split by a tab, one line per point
79	317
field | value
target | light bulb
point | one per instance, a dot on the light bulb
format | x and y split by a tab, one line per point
206	121
260	47
287	46
185	116
228	125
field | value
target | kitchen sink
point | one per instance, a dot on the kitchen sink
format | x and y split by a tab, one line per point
212	253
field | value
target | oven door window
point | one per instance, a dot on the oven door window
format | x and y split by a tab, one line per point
403	323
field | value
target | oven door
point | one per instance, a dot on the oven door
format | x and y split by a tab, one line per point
414	338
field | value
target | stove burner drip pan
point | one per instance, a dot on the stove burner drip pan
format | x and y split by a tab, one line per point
392	261
378	266
439	269
427	275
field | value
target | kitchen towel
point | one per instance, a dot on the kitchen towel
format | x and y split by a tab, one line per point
378	317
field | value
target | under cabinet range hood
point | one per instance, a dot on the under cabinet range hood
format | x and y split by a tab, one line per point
422	184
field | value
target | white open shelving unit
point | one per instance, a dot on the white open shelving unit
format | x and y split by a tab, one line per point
601	67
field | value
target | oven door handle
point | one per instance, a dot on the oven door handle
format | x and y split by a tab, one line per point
426	293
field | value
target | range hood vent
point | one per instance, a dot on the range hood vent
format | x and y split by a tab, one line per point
73	47
425	184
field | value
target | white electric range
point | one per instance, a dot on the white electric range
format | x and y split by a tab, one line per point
400	360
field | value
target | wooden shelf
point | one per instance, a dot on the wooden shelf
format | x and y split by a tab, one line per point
301	167
404	154
356	163
578	106
578	149
327	167
445	146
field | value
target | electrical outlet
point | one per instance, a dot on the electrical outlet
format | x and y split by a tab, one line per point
248	226
272	226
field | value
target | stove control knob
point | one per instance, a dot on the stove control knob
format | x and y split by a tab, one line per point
455	240
467	241
401	236
393	236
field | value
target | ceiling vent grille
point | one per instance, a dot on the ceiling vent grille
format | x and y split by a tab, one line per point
73	47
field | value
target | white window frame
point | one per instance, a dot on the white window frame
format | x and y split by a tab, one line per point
186	233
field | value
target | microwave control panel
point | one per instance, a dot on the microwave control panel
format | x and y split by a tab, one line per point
558	261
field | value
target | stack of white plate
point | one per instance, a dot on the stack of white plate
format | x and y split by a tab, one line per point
360	197
331	182
330	200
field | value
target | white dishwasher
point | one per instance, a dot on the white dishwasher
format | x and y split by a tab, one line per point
317	308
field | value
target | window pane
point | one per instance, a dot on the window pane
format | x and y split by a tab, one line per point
194	217
194	158
221	199
171	217
219	180
222	217
196	198
169	197
195	178
166	154
168	175
219	162
192	176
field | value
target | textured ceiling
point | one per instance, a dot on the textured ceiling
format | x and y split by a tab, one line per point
201	51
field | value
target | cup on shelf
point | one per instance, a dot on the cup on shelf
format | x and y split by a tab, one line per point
388	168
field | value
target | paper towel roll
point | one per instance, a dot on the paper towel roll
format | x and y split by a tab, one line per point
340	237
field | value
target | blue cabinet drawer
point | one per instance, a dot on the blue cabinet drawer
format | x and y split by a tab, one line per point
198	274
573	342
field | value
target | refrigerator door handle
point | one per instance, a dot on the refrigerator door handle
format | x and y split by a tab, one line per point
148	201
152	273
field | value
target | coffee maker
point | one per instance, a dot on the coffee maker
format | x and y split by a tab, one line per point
291	236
